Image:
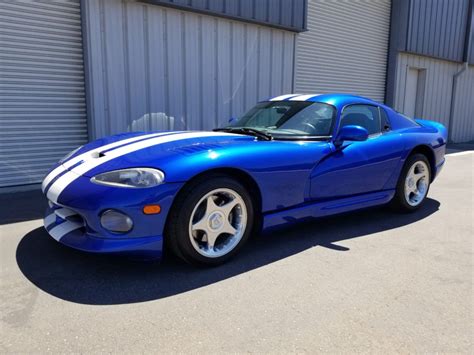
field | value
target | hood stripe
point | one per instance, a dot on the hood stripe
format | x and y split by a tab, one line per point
69	163
63	181
120	146
46	187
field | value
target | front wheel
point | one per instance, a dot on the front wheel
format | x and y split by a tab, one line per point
210	221
413	184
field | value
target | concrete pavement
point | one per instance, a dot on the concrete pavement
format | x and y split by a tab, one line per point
370	281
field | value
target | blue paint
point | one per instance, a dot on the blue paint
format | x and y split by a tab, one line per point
296	179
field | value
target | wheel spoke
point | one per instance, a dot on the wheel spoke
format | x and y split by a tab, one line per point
210	205
419	176
228	207
211	239
228	228
201	225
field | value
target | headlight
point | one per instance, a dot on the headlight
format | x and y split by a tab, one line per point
70	154
135	178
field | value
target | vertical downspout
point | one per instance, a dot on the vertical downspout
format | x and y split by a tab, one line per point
453	99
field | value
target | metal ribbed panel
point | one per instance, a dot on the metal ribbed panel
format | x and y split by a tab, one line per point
438	89
154	67
463	118
42	99
287	14
345	49
438	28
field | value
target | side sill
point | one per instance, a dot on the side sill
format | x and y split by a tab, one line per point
327	208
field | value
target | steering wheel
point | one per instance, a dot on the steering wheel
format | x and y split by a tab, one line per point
312	128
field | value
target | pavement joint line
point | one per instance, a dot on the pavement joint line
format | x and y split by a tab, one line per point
460	153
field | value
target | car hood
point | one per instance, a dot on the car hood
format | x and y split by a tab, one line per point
147	149
182	155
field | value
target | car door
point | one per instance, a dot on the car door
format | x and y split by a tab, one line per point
359	167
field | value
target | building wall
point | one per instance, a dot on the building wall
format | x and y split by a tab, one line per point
438	28
345	48
287	14
470	39
153	67
463	117
437	93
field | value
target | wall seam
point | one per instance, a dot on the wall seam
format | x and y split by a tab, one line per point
105	79
126	63
146	40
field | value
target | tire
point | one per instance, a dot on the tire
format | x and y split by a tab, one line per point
210	220
413	184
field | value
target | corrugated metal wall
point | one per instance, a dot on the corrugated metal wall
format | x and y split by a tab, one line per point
345	49
290	14
152	67
438	89
470	43
438	28
463	118
42	101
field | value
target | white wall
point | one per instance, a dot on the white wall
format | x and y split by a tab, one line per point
438	90
151	67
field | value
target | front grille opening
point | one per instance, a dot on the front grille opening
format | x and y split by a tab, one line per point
76	219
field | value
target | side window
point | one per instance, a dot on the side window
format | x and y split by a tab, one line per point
366	116
384	119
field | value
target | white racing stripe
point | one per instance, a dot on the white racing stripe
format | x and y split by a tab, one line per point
63	181
283	97
48	220
303	97
63	167
62	229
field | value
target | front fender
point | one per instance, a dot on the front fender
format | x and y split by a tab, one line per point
280	170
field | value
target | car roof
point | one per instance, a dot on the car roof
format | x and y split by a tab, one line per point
335	99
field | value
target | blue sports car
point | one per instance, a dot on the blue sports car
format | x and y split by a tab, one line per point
203	194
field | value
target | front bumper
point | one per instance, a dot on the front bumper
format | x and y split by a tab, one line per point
73	233
75	219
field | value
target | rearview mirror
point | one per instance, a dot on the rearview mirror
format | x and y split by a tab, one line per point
281	110
351	133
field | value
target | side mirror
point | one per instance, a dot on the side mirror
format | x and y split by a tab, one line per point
351	133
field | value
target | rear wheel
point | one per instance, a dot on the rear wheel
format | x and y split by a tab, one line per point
210	221
413	184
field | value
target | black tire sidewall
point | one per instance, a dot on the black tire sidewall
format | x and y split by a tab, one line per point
191	195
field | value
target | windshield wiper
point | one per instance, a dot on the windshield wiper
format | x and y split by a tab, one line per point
246	130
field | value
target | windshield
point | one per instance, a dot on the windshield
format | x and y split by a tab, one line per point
289	119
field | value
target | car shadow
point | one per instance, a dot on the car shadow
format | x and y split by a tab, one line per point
22	206
105	280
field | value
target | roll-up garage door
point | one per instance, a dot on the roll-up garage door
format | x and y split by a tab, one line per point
42	100
345	48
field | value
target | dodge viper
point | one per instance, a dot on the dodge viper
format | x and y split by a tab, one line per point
203	194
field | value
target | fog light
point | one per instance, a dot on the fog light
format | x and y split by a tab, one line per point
115	221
